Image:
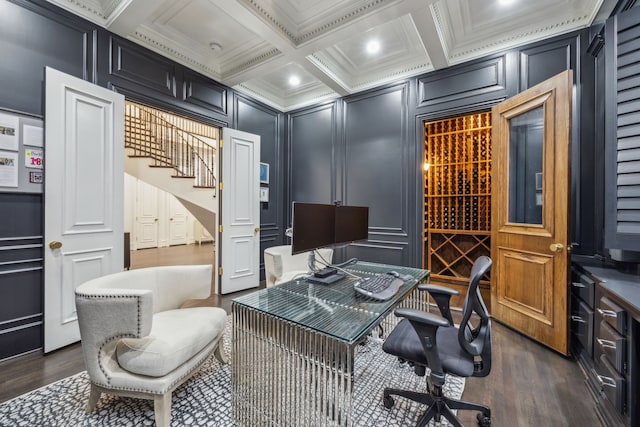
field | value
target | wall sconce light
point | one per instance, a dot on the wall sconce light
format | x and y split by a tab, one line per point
426	166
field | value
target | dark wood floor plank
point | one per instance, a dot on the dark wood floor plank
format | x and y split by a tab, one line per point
529	385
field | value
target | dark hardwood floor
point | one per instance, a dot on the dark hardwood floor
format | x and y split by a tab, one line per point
529	385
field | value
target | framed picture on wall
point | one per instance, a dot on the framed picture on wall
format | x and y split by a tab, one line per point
264	173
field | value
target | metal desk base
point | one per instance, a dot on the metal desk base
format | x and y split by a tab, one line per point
285	375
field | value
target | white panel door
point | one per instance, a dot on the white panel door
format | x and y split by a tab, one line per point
178	215
240	218
84	214
146	216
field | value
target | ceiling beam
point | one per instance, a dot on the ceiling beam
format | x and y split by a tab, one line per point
130	14
431	38
256	24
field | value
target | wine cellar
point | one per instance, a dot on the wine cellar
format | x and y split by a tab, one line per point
457	198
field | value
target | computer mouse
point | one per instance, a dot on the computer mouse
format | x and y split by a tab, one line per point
393	273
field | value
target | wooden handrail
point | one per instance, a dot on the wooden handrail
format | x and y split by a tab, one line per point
150	135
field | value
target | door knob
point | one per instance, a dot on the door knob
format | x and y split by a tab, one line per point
556	247
55	245
170	219
255	230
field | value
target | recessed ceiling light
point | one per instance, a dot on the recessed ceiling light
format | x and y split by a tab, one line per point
294	80
373	46
505	2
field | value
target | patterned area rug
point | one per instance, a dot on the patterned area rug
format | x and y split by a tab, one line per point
205	400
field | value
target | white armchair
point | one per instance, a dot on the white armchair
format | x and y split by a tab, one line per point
136	339
281	266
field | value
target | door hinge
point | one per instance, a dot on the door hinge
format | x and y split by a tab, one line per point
221	143
221	185
220	228
219	271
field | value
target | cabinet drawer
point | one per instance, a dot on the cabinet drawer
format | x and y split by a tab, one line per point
612	384
583	286
612	344
582	324
613	314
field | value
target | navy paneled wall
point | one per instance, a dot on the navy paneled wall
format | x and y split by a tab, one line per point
32	38
376	171
468	87
313	155
21	268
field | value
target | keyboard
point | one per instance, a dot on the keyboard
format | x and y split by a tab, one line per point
380	287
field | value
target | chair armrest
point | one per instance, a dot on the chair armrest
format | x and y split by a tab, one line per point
435	289
426	326
422	317
107	313
442	296
272	267
105	316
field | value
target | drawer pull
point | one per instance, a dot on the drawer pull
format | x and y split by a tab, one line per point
607	313
606	343
607	381
578	319
577	285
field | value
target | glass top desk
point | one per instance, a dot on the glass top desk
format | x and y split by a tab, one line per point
294	346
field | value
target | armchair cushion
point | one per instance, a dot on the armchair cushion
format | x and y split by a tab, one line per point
175	337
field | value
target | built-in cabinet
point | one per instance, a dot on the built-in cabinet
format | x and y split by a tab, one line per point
582	318
605	317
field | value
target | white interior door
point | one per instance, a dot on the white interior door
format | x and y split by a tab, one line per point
146	216
84	174
240	211
178	216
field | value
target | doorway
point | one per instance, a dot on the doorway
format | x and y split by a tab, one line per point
170	150
457	199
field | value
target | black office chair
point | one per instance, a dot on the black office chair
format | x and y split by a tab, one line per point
427	340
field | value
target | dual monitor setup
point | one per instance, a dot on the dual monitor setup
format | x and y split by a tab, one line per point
318	226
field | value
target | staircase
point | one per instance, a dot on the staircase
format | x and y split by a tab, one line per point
172	159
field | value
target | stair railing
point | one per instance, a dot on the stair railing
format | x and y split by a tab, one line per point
150	135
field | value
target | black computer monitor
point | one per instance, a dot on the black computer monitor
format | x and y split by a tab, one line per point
318	225
352	224
313	226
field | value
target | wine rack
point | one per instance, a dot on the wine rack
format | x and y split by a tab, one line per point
457	196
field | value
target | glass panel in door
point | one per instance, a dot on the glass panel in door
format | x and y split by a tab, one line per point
526	137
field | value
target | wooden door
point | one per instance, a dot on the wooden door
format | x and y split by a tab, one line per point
84	197
240	211
530	218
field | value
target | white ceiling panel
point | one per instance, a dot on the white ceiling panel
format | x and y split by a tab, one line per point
254	46
400	54
472	28
274	88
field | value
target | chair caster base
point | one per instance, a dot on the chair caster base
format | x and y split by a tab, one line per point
388	402
483	420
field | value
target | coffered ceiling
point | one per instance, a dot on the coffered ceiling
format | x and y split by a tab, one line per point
292	53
